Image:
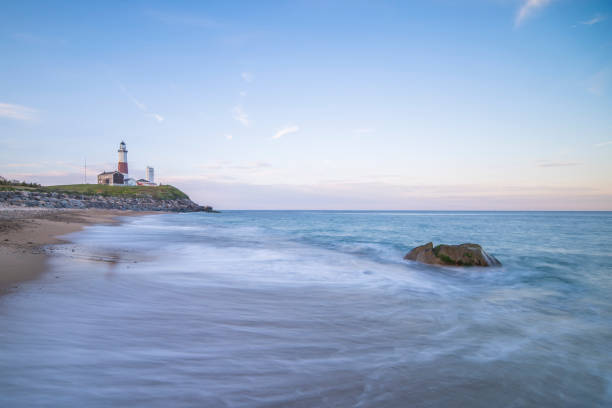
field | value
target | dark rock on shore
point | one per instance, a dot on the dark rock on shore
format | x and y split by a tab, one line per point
452	255
81	201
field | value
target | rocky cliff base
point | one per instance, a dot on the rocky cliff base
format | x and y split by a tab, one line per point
82	201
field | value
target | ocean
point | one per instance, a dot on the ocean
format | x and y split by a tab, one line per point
316	309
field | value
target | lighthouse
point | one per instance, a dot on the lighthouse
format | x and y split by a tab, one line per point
123	167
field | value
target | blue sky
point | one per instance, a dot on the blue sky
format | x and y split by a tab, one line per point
478	104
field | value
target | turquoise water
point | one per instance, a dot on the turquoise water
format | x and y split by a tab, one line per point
316	309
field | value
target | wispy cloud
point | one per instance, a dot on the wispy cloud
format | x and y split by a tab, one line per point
20	165
286	131
222	165
240	115
597	19
157	117
558	164
141	106
364	130
251	166
16	112
55	165
528	8
608	143
135	101
247	77
229	137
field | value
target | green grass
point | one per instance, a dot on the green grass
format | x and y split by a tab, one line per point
165	192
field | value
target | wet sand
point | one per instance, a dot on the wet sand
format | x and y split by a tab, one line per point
25	231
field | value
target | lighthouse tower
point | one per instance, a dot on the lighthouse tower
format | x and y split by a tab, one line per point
123	167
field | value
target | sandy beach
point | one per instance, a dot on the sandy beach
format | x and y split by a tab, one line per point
25	231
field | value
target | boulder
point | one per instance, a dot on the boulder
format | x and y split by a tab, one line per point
452	255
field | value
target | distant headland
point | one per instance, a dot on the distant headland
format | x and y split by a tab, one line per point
115	190
82	196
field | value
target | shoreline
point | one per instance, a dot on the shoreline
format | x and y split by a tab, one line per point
24	232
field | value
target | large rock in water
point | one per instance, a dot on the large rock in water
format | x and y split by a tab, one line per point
452	255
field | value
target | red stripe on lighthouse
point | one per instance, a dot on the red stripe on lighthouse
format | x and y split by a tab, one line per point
123	168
